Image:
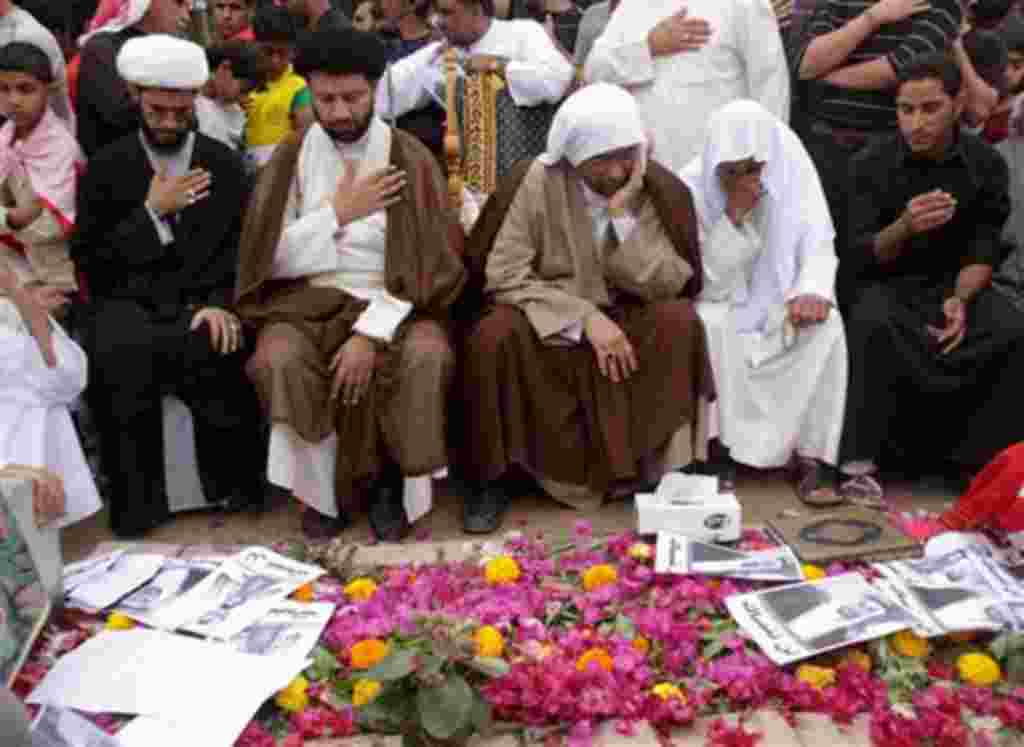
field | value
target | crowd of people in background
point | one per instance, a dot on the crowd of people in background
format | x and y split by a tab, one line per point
773	234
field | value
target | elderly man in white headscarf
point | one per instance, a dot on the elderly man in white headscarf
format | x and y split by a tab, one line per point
158	225
589	369
776	338
106	108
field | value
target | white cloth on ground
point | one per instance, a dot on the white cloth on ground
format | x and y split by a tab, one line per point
776	396
537	72
350	259
35	420
677	93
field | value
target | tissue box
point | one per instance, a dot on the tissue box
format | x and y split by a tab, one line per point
710	518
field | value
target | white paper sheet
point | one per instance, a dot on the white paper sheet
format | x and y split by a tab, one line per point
289	629
176	577
58	727
241	591
127	574
679	554
76	574
174	677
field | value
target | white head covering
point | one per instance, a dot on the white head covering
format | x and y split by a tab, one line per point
795	219
162	61
595	120
113	16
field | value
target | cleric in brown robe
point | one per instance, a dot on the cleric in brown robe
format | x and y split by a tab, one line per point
347	272
589	370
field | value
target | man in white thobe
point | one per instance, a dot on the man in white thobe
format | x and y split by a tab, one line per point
683	61
520	51
777	344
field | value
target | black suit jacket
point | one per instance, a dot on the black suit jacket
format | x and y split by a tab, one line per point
117	244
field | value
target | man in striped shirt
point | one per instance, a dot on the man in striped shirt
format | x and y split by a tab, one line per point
854	51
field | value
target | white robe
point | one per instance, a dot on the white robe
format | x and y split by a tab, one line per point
537	72
352	259
35	422
677	94
781	390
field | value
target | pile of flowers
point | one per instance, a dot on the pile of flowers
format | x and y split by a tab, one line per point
557	641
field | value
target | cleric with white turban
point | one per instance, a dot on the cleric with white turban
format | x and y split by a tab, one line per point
163	61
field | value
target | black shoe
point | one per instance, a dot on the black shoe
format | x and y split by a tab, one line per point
483	513
387	508
318	527
138	527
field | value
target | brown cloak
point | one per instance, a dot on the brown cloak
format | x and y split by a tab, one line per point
548	408
420	267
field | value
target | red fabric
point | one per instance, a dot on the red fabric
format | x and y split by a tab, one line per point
993	497
72	74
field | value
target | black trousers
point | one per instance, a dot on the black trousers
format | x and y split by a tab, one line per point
905	399
136	357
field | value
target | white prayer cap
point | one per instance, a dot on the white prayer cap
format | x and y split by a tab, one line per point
162	61
593	121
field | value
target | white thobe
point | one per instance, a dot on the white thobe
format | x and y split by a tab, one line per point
351	259
781	390
222	122
20	25
537	72
676	94
35	419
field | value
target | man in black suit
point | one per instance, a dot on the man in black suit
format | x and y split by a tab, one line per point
159	218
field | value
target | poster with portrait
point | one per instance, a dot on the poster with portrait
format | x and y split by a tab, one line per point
678	554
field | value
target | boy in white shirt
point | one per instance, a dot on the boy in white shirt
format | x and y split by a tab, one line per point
237	68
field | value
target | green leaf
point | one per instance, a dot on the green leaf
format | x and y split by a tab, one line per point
324	665
411	740
1015	667
445	710
430	665
481	717
489	665
713	649
396	665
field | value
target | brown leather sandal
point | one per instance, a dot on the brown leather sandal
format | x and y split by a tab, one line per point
815	484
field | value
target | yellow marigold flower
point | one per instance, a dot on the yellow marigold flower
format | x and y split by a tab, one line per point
980	670
304	593
118	621
907	643
666	691
817	677
365	691
361	589
597	576
367	653
640	551
595	655
813	572
294	698
501	570
489	642
858	659
641	644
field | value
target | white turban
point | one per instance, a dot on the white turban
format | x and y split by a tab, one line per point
595	120
162	61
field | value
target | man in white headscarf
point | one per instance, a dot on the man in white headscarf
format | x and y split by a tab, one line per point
684	60
776	338
158	225
106	108
589	370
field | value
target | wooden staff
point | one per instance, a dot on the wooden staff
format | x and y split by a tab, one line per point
452	142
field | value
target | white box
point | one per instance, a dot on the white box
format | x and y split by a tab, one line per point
710	518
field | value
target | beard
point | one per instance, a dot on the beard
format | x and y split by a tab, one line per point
165	142
348	136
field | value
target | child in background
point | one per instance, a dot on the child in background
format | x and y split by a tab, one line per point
284	105
236	69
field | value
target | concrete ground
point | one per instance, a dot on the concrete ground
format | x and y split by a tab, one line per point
763	495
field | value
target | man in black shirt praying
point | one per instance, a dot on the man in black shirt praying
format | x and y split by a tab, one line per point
936	355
